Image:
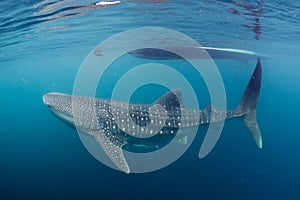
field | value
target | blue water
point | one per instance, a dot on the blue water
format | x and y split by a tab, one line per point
42	45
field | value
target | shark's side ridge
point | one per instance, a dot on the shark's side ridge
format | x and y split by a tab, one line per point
116	125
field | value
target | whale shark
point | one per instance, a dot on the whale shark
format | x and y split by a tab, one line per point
118	125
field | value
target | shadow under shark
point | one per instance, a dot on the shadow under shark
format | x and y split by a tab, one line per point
116	125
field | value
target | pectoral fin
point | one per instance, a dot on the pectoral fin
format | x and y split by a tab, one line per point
113	148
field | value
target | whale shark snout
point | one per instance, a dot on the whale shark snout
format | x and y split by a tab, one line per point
54	99
60	105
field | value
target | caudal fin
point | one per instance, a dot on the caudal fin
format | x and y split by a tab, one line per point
248	104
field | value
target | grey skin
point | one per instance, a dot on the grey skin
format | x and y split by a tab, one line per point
117	125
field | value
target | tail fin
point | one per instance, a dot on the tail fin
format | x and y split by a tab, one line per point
247	107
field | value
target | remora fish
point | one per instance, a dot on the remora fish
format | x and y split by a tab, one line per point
115	124
193	52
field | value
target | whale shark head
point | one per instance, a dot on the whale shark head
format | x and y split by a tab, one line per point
73	110
60	105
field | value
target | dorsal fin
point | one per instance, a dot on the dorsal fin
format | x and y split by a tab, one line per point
170	100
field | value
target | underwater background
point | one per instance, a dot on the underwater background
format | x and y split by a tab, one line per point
42	45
